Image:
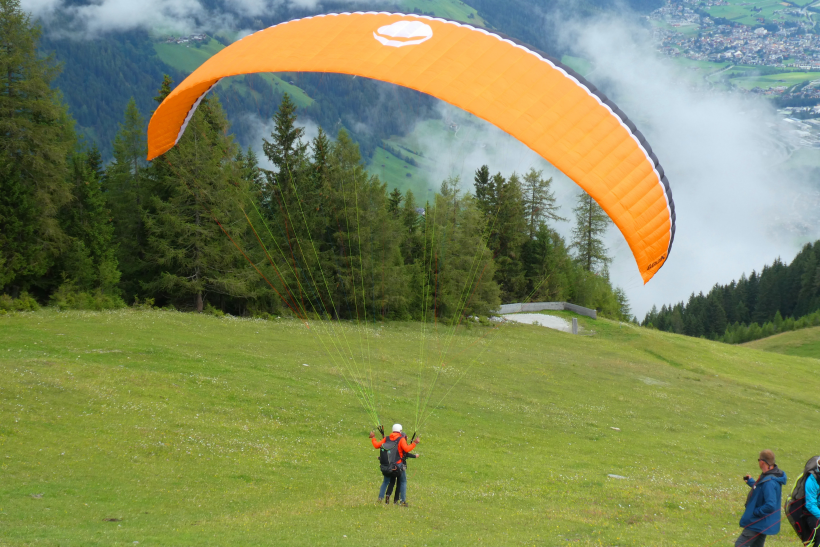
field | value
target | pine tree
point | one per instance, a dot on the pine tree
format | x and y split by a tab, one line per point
548	266
591	223
769	293
412	243
410	212
290	195
320	167
485	191
342	257
459	268
95	163
128	188
817	284
715	323
624	310
450	190
676	321
205	194
159	169
299	205
751	292
651	317
808	272
36	136
539	201
508	237
89	264
285	150
165	89
369	265
394	202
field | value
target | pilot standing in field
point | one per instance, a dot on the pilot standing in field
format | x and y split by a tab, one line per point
403	448
762	515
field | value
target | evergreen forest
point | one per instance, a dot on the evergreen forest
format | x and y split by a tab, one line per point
781	297
204	228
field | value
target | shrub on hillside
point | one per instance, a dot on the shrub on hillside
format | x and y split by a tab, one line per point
210	310
68	297
738	334
145	304
24	302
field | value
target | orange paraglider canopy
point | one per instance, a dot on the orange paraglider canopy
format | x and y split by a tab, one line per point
534	98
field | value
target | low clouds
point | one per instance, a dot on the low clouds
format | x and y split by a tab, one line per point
98	17
94	18
457	143
737	205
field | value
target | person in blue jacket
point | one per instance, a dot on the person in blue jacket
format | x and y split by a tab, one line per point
812	501
762	515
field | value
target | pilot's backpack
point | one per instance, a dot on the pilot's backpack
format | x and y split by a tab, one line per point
795	505
389	457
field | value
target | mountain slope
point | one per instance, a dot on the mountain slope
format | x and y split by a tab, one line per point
181	429
102	72
802	343
100	76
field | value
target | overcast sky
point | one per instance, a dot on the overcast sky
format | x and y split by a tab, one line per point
737	207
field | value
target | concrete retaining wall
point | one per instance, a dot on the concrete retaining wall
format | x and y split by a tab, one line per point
580	310
551	306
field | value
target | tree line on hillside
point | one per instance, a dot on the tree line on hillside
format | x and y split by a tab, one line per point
781	297
203	227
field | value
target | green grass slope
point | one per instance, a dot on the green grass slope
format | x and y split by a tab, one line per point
188	57
448	9
768	81
399	174
747	13
166	428
802	343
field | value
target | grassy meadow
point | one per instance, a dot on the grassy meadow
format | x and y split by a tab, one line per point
448	9
394	172
801	343
166	428
188	57
748	13
773	80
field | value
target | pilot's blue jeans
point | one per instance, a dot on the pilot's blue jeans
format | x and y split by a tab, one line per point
402	486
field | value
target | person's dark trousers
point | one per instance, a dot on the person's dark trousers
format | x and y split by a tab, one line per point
390	491
813	523
748	538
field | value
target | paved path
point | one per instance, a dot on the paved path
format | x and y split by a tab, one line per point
549	321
